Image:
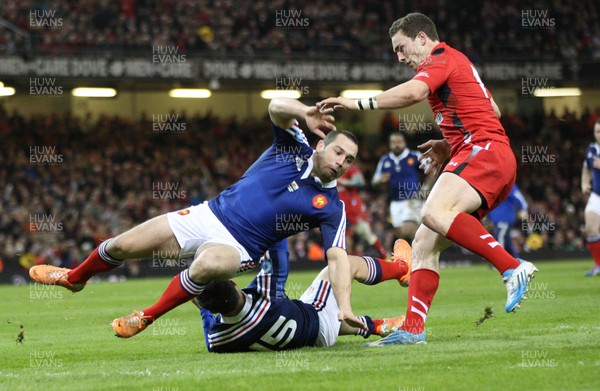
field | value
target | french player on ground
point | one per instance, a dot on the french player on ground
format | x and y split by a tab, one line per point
232	231
260	317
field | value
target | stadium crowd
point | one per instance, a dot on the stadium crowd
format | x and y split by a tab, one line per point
536	29
67	184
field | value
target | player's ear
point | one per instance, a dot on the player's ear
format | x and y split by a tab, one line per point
320	145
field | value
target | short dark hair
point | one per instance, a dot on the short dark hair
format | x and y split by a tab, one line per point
219	297
413	23
333	135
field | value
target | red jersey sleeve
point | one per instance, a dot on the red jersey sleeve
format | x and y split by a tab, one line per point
434	71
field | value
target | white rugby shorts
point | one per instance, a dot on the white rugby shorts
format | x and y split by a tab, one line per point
197	225
406	210
593	204
320	296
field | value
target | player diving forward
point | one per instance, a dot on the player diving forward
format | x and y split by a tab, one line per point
234	229
258	318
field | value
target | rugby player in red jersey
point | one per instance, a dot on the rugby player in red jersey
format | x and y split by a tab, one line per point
479	175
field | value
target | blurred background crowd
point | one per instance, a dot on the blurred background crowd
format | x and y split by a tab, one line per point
486	29
58	204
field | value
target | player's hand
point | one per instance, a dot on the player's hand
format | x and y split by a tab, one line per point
319	121
436	153
351	319
385	177
337	103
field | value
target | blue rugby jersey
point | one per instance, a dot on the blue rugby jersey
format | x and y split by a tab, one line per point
277	198
506	211
405	176
264	323
593	151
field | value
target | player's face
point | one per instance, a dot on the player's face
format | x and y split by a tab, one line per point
333	160
597	133
397	144
409	51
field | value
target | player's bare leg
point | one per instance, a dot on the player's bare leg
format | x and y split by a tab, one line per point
446	212
211	262
151	239
592	234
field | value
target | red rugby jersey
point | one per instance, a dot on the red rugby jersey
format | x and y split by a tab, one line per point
460	102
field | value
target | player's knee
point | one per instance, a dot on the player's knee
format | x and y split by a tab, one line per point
213	264
429	218
121	247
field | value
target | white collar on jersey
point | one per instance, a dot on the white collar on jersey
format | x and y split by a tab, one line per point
403	155
306	173
245	309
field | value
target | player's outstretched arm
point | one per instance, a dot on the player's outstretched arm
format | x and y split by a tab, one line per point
403	95
284	111
341	282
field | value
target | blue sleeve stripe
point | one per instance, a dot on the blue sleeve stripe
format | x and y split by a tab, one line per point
340	236
244	327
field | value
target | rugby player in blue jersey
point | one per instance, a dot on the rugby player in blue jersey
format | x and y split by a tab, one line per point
289	182
590	184
260	317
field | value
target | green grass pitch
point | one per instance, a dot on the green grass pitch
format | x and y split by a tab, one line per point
551	343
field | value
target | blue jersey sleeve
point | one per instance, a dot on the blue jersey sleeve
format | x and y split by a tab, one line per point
333	229
291	136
